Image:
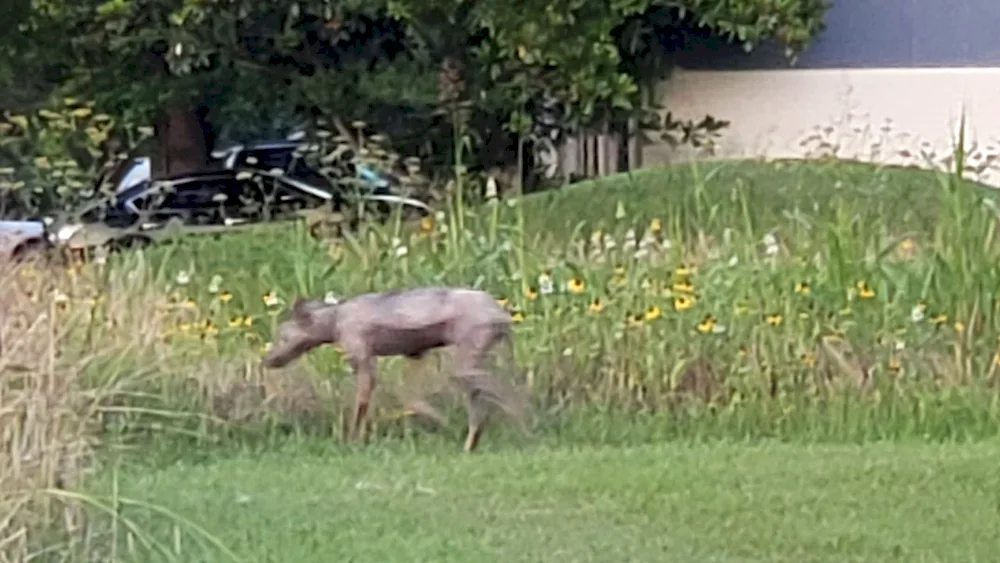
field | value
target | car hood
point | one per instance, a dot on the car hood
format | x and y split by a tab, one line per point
13	233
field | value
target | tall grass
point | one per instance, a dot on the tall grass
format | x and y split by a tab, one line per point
73	356
692	298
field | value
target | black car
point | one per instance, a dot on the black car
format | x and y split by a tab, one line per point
208	203
284	155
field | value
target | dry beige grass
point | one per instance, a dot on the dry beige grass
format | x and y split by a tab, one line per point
66	340
46	417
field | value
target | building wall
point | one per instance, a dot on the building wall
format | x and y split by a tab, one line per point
887	81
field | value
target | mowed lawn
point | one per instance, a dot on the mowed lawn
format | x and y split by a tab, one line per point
777	502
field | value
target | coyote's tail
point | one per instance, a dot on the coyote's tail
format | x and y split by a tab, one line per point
506	391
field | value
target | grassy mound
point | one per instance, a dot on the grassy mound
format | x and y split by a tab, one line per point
806	301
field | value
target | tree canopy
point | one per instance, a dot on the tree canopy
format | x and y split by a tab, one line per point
259	67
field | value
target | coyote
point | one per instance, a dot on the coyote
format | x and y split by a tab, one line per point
409	323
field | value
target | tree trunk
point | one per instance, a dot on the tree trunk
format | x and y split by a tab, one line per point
183	141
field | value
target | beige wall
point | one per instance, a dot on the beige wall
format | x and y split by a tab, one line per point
881	115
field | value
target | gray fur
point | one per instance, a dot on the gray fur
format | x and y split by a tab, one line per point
410	323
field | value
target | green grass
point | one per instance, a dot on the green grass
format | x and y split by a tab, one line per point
722	502
702	336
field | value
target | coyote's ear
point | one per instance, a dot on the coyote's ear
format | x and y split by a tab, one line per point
301	312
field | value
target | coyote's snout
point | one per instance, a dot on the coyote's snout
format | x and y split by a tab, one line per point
403	323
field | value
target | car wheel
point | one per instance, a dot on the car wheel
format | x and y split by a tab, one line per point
35	249
413	213
131	242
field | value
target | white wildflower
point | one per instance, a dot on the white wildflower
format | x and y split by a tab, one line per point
734	261
917	313
770	244
330	298
727	236
545	284
630	240
216	284
183	277
595	238
401	251
272	299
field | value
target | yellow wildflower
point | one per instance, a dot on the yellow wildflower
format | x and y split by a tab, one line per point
683	302
502	301
427	224
209	330
575	285
774	319
531	293
808	358
907	247
685	270
707	324
655	225
653	313
802	288
960	327
741	308
939	319
683	286
225	296
596	306
517	316
635	320
894	365
864	291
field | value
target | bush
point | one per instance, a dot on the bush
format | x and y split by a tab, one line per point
53	159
